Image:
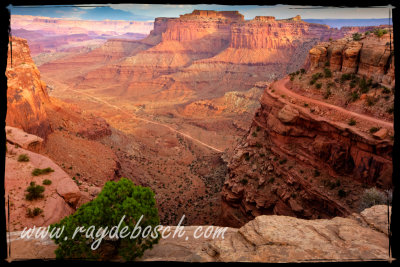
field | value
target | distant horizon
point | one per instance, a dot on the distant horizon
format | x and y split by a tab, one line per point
148	12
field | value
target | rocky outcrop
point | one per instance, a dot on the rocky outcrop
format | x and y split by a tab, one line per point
26	92
265	239
18	137
370	56
295	163
59	198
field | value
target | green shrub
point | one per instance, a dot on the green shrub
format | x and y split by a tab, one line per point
37	172
354	96
318	85
364	86
116	200
352	122
33	213
366	33
390	110
345	77
312	82
244	181
283	161
47	182
357	36
374	129
380	32
271	180
302	71
34	191
316	173
327	64
254	134
328	73
23	158
353	84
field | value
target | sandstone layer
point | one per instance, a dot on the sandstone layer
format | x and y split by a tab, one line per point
265	239
196	56
371	56
300	163
26	92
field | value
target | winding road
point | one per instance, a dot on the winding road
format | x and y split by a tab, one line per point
66	87
281	87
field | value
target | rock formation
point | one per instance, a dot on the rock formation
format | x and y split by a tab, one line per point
196	55
370	56
26	92
359	237
294	162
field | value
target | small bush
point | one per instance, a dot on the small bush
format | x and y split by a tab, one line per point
364	86
374	129
316	173
327	64
353	84
23	158
244	181
354	96
34	191
247	156
312	82
328	73
254	134
366	33
371	197
390	110
33	213
345	77
282	161
302	71
47	182
37	172
357	36
271	180
380	32
352	122
318	85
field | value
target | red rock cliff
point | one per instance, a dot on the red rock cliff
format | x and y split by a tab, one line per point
26	92
371	56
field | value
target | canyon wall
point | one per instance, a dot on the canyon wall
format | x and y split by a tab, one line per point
202	54
26	92
296	163
371	56
69	26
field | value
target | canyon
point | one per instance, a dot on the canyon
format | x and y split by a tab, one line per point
220	116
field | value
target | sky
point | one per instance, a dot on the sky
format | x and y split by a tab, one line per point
147	12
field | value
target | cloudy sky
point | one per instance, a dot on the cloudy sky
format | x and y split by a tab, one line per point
151	11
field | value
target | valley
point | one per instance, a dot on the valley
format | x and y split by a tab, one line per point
220	116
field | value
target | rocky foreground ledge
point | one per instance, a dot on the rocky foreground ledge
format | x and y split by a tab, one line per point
267	238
